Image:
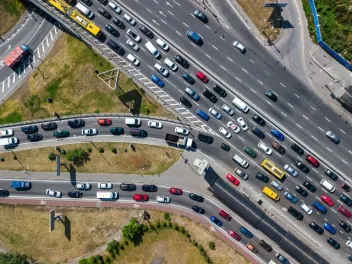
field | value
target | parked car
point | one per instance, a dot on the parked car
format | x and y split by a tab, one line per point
344	211
104	122
345	226
265	148
83	186
326	199
246	232
312	161
201	76
146	31
118	23
293	199
345	187
129	19
220	91
116	130
277	146
242	124
332	175
233	127
292	211
185	101
30	129
76	123
281	258
105	185
112	30
316	228
34	137
276	133
133	35
302	167
75	194
265	245
225	147
216	221
333	137
332	242
290	170
297	149
239	47
258	119
149	188
301	191
234	235
48	126
128	187
140	197
104	13
180	60
196	197
209	95
176	191
344	198
262	177
157	81
188	78
214	113
225	215
198	209
61	133
163	199
277	185
198	14
309	186
228	110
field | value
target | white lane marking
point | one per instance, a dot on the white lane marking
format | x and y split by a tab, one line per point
207	26
268	102
314	137
223	67
252	61
150	11
344	161
309	178
170	12
176	3
321	128
267	73
283	114
14	75
342	131
241	138
312	107
215	47
298	126
178	33
222	38
290	105
244	70
163	21
328	149
253	91
207	56
3	86
333	211
327	119
238	79
229	59
185	24
297	96
305	117
51	35
350	151
282	84
259	82
194	45
156	1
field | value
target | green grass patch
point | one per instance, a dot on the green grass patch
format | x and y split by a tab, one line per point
13	117
10	12
53	88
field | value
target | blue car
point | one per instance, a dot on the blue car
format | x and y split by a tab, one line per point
246	232
202	114
216	221
157	81
329	228
277	134
293	199
321	208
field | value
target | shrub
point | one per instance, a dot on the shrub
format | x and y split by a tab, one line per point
114	150
158	225
176	227
164	224
2	159
150	228
212	245
169	224
112	246
182	229
52	156
187	234
15	157
200	248
63	152
167	217
89	149
101	150
195	243
145	228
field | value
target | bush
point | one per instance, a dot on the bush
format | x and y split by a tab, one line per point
52	156
78	156
200	248
195	243
89	149
176	227
167	217
212	245
63	152
182	229
101	150
114	150
164	224
187	234
150	228
113	246
145	228
169	224
121	246
2	159
158	225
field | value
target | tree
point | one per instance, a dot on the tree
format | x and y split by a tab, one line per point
212	245
78	156
9	258
133	231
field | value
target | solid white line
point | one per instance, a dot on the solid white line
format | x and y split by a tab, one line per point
283	114
282	84
229	58
244	70
207	26
297	96
328	119
305	117
215	47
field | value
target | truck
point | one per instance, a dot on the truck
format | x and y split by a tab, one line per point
179	141
20	185
6	133
17	55
195	37
11	141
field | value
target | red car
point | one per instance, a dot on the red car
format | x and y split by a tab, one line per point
234	235
140	197
105	122
313	161
225	215
327	200
232	179
176	191
201	76
344	211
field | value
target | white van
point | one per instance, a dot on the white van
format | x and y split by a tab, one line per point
240	104
107	195
132	121
152	50
327	185
240	161
84	10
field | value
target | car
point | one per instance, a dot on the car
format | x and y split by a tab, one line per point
220	91
83	186
250	152
104	13
132	45
246	232
332	175
30	129
103	1
115	7
252	248
349	244
293	199
118	23
292	211
306	209
232	179
201	76
196	197
312	161
89	132
76	123
161	70
277	185
297	149
87	2
326	199
198	14
6	133
290	170
133	59
265	148
202	114
48	126
346	187
329	228
316	228
214	113
105	185
117	130
129	19
234	235
333	243
155	124
262	177
170	64
276	133
146	31
157	81
346	199
256	131
61	133
258	119
188	78
225	215
271	95
205	138
209	95
228	110
224	132
198	209
115	47
239	47
242	174
140	197
277	146
349	257
128	187
191	93
185	101
216	221
265	245
344	211
176	191
149	188
34	137
345	226
309	186
333	137
4	193
180	60
104	122
242	123
112	30
233	127
181	131
302	167
225	147
281	258
53	193
133	35
75	194
301	191
163	199
162	44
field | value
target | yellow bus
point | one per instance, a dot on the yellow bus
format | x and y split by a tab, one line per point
270	167
271	194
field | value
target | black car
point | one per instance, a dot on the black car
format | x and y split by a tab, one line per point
301	191
331	174
29	129
34	137
115	47
186	102
302	167
76	123
4	193
345	187
188	78
118	23
149	188
256	131
270	94
205	138
346	199
208	94
345	226
297	149
181	61
309	186
277	146
75	194
316	228
265	245
258	119
146	31
225	147
220	91
128	187
196	197
104	13
292	211
262	177
49	126
198	14
117	130
198	209
333	243
103	1
87	2
112	30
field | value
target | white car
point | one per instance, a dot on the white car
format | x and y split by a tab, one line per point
53	193
163	199
162	44
226	133
233	127
105	185
265	148
170	64
290	170
242	124
6	133
133	59
214	113
155	124
132	34
228	110
306	209
239	47
162	70
83	186
129	19
89	132
132	45
182	131
115	7
276	185
349	244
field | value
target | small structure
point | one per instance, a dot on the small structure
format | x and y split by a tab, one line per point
202	166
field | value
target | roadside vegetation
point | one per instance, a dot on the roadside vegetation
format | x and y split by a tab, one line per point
10	13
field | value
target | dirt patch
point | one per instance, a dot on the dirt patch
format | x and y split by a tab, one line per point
10	13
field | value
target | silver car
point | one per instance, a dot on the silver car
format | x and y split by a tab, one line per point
163	199
105	185
276	185
83	186
333	137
